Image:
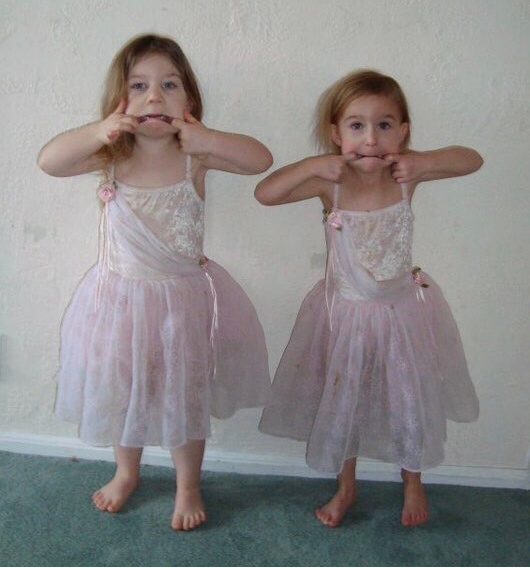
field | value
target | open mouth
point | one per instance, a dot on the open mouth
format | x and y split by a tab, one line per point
360	156
162	117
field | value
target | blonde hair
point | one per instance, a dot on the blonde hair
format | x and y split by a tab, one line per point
333	102
116	83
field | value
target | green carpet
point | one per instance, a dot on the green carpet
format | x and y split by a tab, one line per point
47	519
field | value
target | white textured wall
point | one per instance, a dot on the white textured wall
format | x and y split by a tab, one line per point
262	65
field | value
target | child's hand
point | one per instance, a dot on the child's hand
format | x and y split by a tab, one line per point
193	136
408	167
112	127
331	167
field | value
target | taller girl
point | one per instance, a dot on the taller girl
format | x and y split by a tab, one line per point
156	338
375	364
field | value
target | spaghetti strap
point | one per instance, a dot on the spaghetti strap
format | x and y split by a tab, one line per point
188	167
336	188
405	192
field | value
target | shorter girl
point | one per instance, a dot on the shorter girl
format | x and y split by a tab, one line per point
375	364
156	338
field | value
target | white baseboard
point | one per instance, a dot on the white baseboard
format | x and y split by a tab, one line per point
257	464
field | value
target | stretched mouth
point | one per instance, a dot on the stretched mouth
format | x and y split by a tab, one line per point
162	117
360	156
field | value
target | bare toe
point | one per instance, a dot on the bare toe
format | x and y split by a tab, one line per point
112	496
333	512
189	511
327	518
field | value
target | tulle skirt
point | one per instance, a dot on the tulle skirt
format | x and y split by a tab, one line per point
143	368
378	381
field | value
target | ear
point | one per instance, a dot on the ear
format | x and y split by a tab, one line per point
335	136
404	131
187	107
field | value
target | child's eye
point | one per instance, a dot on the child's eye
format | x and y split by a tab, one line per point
356	125
137	86
169	85
385	125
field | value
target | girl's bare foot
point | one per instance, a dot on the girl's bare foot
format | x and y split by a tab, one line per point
189	510
415	508
332	513
112	496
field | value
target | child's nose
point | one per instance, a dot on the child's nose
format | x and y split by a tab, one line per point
371	136
154	94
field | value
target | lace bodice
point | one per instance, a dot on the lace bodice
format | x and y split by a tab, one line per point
380	240
175	214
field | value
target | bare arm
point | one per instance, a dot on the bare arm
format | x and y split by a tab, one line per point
236	153
74	152
414	167
305	179
71	153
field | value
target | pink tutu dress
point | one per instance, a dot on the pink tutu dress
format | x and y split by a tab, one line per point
375	364
157	338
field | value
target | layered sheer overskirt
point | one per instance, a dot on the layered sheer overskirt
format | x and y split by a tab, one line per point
372	378
147	362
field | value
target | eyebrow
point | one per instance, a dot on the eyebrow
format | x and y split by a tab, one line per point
358	116
142	76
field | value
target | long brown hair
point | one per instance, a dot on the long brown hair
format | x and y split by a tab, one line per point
360	83
116	83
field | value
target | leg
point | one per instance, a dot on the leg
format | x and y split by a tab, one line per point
112	496
189	510
415	508
332	513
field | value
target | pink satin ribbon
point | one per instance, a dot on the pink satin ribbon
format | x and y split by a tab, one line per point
215	316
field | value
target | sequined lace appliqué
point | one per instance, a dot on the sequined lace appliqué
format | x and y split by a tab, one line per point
175	214
382	239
